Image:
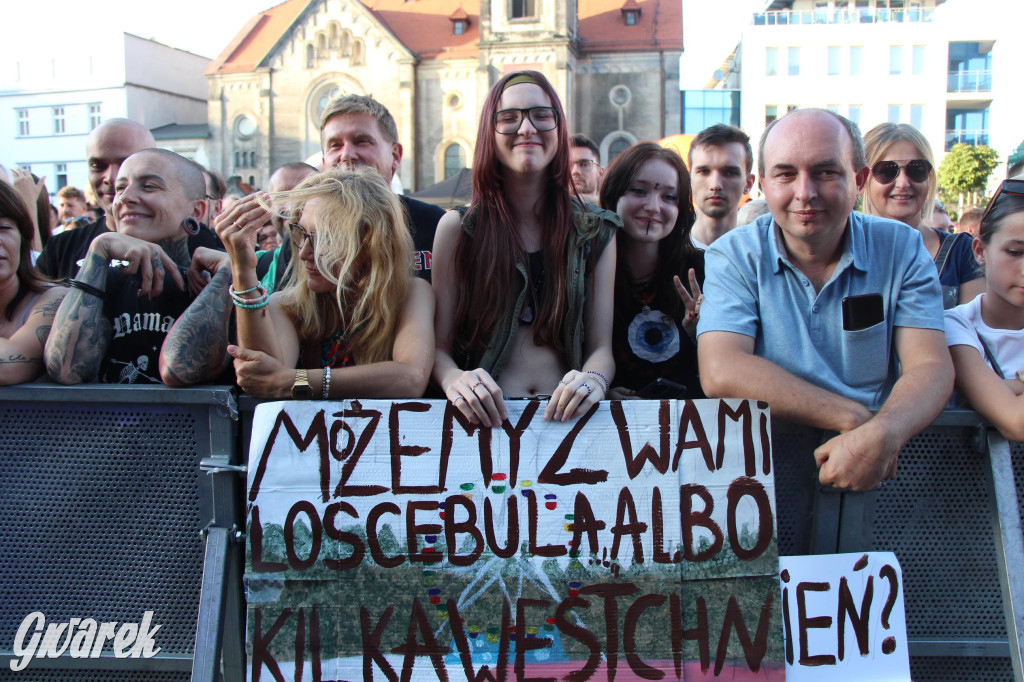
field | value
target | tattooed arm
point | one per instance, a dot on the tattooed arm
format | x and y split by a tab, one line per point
81	334
21	356
195	349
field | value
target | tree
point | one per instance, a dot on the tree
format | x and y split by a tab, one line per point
963	174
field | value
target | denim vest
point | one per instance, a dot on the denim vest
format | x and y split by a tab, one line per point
593	228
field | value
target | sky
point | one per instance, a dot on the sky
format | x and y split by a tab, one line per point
203	27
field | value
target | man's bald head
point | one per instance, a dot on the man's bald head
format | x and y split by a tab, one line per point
289	176
106	148
796	119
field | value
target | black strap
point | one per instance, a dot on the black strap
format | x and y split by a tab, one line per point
942	255
991	357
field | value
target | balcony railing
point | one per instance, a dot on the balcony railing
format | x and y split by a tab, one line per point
855	16
972	137
969	81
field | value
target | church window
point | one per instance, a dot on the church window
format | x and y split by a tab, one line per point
334	36
618	146
310	56
454	159
321	46
358	53
522	9
346	44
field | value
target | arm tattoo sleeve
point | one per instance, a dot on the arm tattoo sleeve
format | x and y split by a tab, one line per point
80	335
196	346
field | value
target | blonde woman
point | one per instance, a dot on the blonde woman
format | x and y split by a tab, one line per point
902	186
351	320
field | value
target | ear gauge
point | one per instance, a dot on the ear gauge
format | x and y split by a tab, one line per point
190	225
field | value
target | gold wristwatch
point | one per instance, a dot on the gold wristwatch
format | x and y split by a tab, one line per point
301	389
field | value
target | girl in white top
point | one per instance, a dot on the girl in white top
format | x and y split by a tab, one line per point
986	335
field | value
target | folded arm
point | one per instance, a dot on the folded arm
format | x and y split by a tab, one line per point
729	369
21	355
81	334
997	400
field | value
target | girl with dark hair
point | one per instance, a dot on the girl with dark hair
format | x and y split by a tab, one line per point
986	335
655	331
524	277
27	301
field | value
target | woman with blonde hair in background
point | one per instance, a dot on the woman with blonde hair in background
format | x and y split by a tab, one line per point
902	186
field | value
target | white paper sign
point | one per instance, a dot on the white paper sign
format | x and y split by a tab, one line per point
844	618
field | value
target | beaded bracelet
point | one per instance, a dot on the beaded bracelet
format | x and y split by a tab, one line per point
254	304
601	377
327	382
242	293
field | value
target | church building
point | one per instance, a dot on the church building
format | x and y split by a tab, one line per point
614	63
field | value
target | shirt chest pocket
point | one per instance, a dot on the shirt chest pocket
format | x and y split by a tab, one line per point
865	356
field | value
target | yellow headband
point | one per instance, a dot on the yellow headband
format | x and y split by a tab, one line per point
516	80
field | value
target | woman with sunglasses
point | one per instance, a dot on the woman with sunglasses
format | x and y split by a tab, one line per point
902	187
524	278
986	335
351	320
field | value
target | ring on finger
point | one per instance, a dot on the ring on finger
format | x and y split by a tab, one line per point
477	384
457	399
237	225
563	382
587	386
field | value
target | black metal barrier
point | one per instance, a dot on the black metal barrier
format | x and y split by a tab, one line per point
106	495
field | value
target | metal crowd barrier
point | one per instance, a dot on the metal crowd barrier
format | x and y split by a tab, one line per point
107	493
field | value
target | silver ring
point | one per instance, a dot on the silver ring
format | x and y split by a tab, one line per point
237	225
563	382
457	399
587	386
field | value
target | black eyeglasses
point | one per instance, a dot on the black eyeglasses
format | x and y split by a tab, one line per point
887	171
1011	187
584	164
508	121
300	235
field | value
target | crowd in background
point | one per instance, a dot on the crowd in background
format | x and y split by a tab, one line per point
561	281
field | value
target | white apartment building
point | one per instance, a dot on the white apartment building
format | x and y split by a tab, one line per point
948	67
50	101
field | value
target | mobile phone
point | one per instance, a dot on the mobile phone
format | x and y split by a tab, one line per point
863	311
662	389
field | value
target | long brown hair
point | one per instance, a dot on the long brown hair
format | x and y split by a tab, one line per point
29	279
676	253
487	259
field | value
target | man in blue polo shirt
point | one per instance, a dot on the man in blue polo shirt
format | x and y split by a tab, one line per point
824	312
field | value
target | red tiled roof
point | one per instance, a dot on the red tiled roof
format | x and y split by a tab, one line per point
257	38
602	28
425	28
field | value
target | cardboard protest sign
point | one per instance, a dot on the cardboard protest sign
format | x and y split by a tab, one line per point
395	540
844	618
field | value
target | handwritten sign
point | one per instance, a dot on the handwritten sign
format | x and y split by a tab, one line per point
395	540
844	618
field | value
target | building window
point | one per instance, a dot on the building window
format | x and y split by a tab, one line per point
310	56
895	60
23	122
454	160
521	9
918	60
834	108
916	115
970	67
60	171
358	53
771	58
966	126
771	112
95	117
894	113
245	126
794	61
631	15
855	56
703	108
833	61
853	113
458	27
617	146
321	46
58	120
791	108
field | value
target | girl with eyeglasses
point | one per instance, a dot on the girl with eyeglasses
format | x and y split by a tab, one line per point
902	186
524	277
351	320
986	335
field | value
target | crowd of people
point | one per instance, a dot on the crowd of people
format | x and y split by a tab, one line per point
562	280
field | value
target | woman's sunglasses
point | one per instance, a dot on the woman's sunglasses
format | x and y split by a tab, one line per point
887	171
1013	187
